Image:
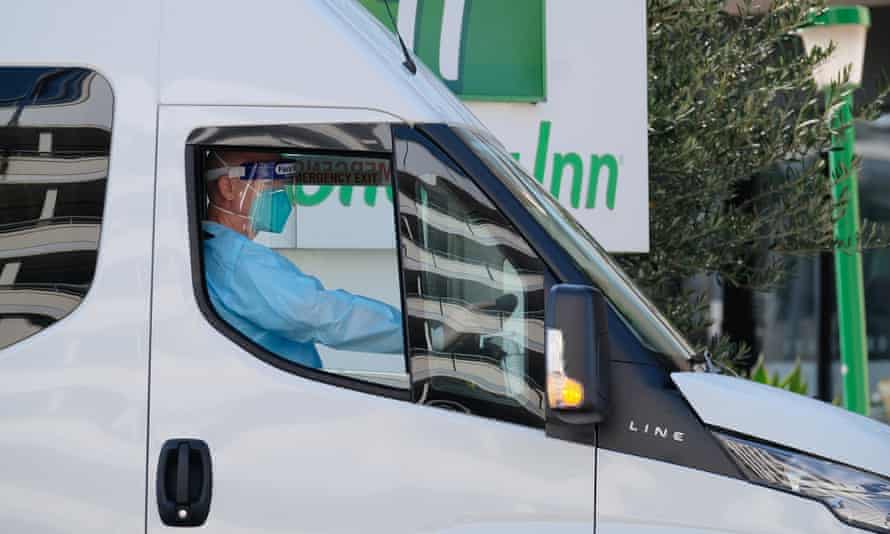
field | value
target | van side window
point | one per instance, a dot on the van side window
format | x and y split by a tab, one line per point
299	258
55	138
474	292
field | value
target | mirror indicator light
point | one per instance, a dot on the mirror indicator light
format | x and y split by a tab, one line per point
562	392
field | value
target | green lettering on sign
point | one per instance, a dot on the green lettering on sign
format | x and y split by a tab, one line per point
559	163
482	49
573	164
299	197
596	164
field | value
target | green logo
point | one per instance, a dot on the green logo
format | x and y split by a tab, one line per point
482	49
299	197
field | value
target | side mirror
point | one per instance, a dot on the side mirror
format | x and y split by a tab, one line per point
577	354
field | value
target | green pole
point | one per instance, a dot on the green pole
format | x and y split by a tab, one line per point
848	262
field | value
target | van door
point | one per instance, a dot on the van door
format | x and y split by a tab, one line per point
353	438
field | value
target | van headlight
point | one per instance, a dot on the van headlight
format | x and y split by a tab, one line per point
856	497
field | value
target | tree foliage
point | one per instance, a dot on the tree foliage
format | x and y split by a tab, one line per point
730	95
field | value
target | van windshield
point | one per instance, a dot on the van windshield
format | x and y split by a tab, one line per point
639	313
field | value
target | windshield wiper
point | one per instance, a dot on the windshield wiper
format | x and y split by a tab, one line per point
703	362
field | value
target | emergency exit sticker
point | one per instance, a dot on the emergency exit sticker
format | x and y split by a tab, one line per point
482	49
335	170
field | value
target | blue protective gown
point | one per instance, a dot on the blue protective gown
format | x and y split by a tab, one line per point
269	300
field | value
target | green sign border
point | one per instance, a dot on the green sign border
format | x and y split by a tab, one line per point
377	9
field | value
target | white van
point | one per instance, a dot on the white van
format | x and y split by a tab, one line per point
532	387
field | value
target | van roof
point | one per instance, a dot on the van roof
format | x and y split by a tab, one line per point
318	53
329	53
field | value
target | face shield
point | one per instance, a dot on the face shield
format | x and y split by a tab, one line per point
262	189
263	195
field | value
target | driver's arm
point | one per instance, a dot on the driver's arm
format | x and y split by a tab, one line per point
277	296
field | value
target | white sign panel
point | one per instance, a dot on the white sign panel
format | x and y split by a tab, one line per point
562	83
587	143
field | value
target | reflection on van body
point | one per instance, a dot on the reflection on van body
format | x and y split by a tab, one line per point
55	134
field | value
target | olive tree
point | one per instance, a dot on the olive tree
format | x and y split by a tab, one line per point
736	132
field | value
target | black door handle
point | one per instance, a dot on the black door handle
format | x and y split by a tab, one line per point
184	482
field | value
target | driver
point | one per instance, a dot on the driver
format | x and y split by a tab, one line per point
261	293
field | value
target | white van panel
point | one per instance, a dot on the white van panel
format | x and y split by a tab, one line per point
295	455
749	408
221	53
638	495
73	397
